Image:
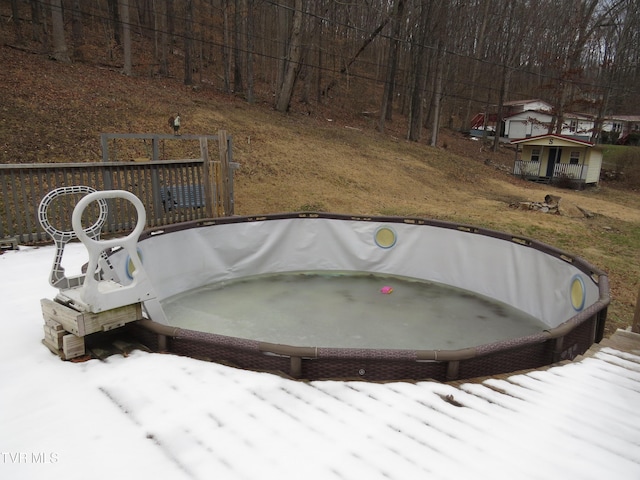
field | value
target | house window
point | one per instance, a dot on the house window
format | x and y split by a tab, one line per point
574	159
535	155
573	125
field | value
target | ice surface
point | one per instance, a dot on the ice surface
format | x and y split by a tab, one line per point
348	311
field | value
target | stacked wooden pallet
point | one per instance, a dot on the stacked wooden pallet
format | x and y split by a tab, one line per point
66	328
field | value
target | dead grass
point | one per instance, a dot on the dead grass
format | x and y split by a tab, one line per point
317	157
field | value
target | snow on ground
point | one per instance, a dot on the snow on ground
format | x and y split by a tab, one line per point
166	417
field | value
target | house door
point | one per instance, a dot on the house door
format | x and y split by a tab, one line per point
554	157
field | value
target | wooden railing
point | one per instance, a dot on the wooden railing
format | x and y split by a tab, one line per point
526	169
530	169
576	172
155	183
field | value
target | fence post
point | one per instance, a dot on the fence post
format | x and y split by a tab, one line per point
635	326
208	169
104	142
222	180
155	148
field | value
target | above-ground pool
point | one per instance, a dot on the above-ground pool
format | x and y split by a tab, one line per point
317	296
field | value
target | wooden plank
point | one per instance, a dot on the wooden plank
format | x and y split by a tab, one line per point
635	325
110	319
70	319
208	173
623	340
223	180
50	346
81	324
54	337
72	346
53	324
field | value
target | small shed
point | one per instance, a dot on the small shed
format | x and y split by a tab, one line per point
552	158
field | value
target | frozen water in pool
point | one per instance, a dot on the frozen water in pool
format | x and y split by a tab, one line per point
347	310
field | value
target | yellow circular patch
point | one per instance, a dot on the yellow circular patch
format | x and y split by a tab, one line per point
385	237
578	294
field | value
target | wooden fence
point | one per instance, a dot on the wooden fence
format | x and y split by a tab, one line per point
171	190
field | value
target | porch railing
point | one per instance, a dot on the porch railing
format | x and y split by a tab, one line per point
576	172
171	190
528	169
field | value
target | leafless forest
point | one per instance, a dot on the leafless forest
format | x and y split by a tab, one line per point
434	62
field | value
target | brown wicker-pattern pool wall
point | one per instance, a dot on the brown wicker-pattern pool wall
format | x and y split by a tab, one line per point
564	342
374	365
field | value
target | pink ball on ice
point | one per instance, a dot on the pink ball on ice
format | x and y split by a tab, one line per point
386	290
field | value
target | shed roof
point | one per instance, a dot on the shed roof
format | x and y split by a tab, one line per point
540	140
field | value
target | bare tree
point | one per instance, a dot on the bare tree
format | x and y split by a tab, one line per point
355	56
126	37
77	28
507	55
17	24
386	108
437	93
476	52
250	50
238	45
419	58
114	17
39	26
292	67
188	39
60	52
226	47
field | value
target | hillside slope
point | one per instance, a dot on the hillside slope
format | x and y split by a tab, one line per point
326	157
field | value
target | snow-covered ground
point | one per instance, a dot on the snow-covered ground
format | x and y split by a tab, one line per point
166	417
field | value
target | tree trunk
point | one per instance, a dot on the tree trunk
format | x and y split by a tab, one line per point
364	45
39	31
226	47
386	108
188	40
126	37
77	29
319	69
481	39
282	43
419	67
60	52
506	74
17	25
250	50
437	95
293	60
238	39
162	42
114	16
171	25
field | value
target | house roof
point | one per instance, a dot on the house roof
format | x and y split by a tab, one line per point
624	118
530	113
566	116
538	139
524	102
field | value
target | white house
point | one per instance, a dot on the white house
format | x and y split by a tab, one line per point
553	158
531	118
622	126
534	123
